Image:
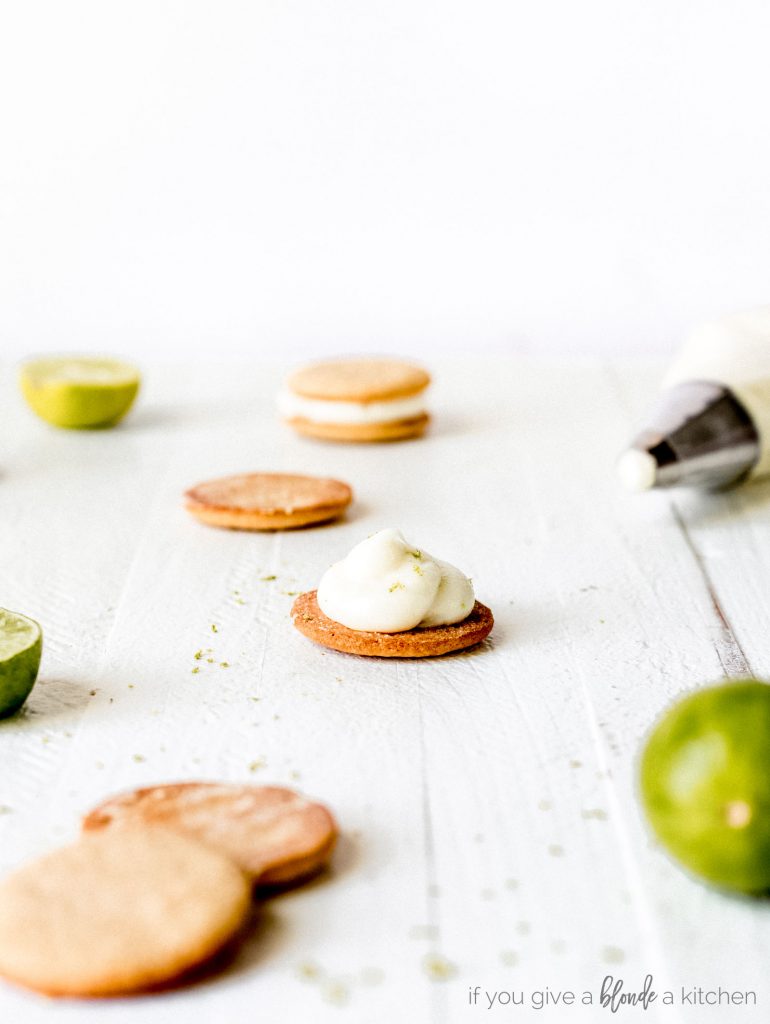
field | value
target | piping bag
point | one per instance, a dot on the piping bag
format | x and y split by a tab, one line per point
710	427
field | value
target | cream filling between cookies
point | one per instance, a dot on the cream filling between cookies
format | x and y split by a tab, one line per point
388	586
321	410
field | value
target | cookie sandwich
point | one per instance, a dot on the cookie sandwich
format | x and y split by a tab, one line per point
364	399
389	599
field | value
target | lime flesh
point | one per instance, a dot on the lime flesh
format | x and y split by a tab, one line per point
21	644
705	784
79	392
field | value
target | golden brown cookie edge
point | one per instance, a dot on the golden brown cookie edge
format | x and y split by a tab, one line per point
396	430
414	643
239	519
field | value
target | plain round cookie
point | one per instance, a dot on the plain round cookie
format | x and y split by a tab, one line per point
117	912
268	501
359	380
413	643
273	834
395	430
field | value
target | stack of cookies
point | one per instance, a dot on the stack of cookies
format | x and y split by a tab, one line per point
158	884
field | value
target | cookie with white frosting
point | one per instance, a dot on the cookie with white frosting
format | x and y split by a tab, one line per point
363	399
390	599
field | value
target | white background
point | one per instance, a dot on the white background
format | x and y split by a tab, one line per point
237	178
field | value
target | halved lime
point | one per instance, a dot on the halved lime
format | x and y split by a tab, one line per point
21	644
79	391
705	783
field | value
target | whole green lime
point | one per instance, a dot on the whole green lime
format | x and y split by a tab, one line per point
705	784
79	392
21	645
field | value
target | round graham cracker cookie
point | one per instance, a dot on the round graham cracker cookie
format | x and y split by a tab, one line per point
268	501
413	643
396	430
117	912
359	380
273	834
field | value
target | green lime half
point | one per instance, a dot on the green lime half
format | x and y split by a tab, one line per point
705	784
79	391
21	644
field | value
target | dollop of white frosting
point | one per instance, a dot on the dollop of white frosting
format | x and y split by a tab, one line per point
387	585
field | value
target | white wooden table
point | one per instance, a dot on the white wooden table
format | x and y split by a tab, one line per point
491	828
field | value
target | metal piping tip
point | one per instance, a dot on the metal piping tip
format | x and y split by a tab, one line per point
637	470
698	435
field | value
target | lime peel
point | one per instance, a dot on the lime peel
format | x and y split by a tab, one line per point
79	392
705	786
21	646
